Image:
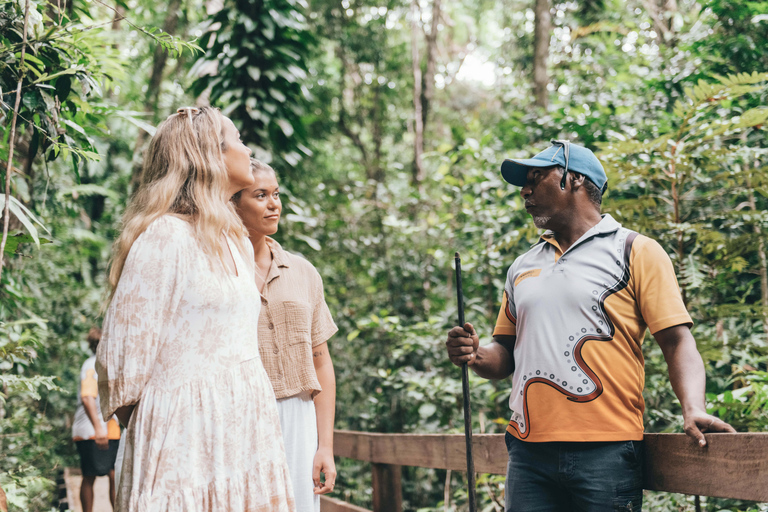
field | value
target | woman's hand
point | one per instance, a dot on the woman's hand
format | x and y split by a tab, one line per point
325	464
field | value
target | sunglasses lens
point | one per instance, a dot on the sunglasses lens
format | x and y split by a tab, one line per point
188	111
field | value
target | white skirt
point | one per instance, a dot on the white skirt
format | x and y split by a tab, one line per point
298	422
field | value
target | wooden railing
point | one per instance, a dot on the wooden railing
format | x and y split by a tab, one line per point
730	466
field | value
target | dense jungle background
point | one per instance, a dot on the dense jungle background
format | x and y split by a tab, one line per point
386	121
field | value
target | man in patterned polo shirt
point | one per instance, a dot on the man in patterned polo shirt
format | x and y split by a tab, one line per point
574	314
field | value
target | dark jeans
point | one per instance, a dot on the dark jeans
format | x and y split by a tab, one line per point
588	477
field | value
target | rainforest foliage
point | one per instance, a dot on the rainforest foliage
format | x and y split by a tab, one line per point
387	122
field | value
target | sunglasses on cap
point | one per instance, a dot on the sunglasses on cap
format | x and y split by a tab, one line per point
566	145
188	111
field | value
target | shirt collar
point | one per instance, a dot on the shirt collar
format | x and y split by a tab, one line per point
606	225
279	261
279	256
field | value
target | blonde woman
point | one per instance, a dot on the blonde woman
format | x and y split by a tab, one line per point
179	362
294	327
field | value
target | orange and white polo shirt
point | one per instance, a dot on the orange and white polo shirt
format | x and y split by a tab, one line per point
580	319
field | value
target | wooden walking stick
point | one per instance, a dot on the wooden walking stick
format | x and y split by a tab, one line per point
465	391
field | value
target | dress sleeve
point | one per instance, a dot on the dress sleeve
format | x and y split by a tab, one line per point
145	300
323	326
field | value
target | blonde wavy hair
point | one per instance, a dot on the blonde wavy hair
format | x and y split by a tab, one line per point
184	174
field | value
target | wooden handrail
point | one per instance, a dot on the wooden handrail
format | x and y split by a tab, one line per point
730	466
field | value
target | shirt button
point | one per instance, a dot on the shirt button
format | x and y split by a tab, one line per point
279	375
276	351
264	301
271	326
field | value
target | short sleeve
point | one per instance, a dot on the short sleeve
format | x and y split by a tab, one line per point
507	318
656	290
89	386
147	295
323	326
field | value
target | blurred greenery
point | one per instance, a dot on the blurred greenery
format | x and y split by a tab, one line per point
672	96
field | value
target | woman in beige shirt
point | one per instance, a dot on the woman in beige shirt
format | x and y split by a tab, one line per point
294	327
179	361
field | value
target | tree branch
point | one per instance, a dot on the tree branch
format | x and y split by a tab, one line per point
12	139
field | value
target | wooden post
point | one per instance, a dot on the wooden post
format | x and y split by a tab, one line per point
387	488
328	504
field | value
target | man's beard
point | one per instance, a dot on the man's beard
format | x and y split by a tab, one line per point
540	222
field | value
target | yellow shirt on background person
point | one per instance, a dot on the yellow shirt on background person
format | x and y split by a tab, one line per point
82	428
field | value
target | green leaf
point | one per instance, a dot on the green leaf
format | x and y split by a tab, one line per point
278	95
26	217
313	243
285	126
88	189
151	130
254	73
79	129
426	410
76	167
71	71
13	241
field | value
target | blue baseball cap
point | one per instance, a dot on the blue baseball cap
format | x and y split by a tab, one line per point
580	160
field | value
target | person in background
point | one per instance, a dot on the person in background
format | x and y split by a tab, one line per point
179	363
95	439
294	327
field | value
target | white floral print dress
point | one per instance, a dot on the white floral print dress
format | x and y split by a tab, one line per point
180	343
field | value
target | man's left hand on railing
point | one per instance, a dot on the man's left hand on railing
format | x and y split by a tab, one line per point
698	423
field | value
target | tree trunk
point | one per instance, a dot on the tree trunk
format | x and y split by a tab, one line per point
761	255
670	7
377	171
676	192
662	22
119	16
161	58
541	52
428	81
418	121
153	88
763	273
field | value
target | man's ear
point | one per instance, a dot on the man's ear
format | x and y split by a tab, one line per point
577	180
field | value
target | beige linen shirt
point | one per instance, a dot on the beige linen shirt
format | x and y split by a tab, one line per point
294	319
